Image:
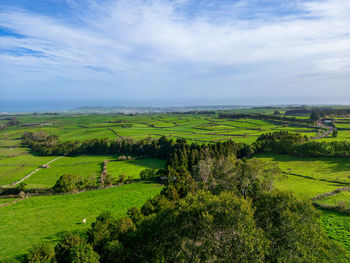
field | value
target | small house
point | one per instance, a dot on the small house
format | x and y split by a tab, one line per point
328	122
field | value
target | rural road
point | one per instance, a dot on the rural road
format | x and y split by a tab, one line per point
327	132
15	183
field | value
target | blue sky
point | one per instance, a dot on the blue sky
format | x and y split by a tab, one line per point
177	52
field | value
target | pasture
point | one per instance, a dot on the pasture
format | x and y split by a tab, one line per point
132	168
44	218
196	128
337	227
14	169
331	169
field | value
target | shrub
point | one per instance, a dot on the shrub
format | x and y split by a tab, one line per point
21	187
68	183
73	248
147	174
41	253
122	178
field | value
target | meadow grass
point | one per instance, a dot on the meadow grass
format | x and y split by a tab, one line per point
304	188
44	218
11	174
333	169
342	199
337	227
133	168
27	159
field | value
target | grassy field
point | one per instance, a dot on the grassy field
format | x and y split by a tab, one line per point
337	227
78	165
15	168
202	128
133	168
340	199
332	169
44	218
305	188
90	166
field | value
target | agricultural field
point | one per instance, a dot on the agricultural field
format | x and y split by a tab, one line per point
15	168
336	226
132	168
44	218
196	128
340	199
303	187
330	169
22	222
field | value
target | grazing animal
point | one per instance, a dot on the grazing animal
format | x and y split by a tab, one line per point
84	220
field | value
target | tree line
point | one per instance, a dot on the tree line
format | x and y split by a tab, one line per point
284	142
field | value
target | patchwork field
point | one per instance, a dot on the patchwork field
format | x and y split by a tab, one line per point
44	218
202	129
22	223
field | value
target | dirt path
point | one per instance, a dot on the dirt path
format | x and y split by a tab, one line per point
328	131
9	149
33	172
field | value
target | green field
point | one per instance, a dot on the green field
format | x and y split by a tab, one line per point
44	218
337	227
200	128
133	168
332	169
305	188
90	166
340	199
15	168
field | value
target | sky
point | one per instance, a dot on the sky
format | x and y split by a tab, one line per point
60	53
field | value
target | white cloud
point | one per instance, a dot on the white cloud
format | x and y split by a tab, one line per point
140	38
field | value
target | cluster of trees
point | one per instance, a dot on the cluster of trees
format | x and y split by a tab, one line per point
227	211
178	153
10	122
72	183
322	112
150	173
284	142
261	116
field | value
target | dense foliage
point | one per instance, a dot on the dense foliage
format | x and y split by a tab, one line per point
294	144
217	206
227	211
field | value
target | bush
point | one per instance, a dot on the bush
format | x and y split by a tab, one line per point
68	183
148	174
41	253
72	183
122	178
73	248
21	187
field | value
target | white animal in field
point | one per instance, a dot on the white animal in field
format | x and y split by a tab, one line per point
84	220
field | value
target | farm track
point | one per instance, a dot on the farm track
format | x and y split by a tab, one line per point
33	172
328	131
9	149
